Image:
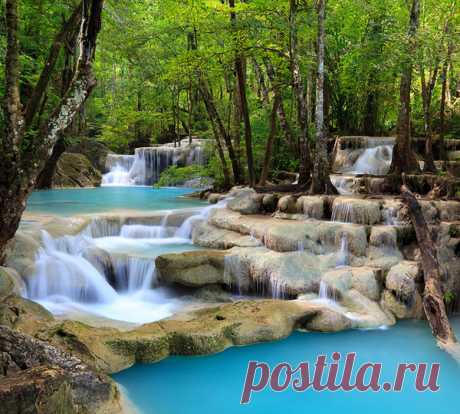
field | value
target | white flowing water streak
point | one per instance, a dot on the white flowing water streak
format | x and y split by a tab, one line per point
62	271
343	257
374	161
185	230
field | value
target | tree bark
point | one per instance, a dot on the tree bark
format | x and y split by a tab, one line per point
404	159
270	140
433	302
302	114
284	122
241	77
219	127
25	151
442	111
321	183
427	94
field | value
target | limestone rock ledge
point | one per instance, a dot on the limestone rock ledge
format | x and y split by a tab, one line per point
36	377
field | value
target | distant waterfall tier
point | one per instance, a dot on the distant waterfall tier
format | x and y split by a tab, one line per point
147	164
363	155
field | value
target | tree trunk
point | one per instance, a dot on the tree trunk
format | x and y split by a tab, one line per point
321	183
442	111
302	115
404	159
284	123
45	179
270	140
433	302
219	127
21	160
427	94
241	77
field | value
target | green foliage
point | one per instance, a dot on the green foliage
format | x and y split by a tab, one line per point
449	297
175	176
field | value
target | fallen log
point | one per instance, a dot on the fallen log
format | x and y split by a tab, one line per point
433	302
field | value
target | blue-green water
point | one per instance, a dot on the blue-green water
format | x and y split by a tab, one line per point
213	384
97	200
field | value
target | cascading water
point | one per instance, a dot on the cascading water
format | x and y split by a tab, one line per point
343	257
185	230
147	164
362	156
108	270
374	161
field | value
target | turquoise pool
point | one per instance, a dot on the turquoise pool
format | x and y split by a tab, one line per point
95	200
213	384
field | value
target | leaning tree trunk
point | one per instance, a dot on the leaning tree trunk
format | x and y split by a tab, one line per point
404	159
321	183
25	149
433	302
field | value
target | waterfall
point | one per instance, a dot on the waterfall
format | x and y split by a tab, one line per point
147	164
62	271
342	212
185	230
101	271
301	246
324	291
133	273
374	161
343	258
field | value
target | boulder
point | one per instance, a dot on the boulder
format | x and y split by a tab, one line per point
288	204
400	309
193	269
75	170
311	206
244	200
402	278
10	283
95	151
269	203
212	237
328	320
37	377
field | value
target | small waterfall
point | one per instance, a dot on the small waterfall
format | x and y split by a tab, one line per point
301	246
61	271
374	161
343	183
236	274
99	272
342	212
103	227
390	216
133	273
278	288
147	164
343	257
186	228
324	291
